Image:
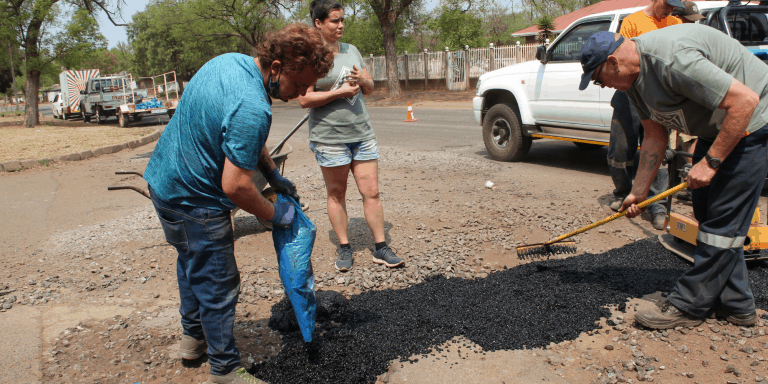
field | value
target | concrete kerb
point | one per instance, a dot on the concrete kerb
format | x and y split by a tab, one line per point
18	165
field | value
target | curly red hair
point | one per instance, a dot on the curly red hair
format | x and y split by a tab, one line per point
296	46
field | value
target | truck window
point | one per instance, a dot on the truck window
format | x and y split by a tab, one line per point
96	86
748	28
569	47
56	98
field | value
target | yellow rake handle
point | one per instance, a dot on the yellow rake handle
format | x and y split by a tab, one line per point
615	216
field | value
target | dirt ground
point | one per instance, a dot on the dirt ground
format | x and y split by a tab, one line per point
88	290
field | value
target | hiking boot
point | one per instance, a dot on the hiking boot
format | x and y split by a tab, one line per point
658	221
616	205
742	320
237	376
387	257
191	348
344	259
665	317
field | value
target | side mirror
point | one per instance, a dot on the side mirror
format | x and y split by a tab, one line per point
82	92
541	53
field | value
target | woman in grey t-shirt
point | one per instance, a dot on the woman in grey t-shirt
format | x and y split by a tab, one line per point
341	136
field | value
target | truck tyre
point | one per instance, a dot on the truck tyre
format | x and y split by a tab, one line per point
99	115
122	120
587	146
137	118
170	113
86	118
503	135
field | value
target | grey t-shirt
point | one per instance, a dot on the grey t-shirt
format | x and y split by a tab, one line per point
344	120
685	72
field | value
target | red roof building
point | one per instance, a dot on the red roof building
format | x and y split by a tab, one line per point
564	21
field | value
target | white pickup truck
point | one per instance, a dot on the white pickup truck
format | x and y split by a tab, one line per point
541	99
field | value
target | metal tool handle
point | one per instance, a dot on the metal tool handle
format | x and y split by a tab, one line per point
613	217
279	146
137	189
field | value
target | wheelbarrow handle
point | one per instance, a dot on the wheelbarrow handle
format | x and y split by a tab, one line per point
129	173
279	146
137	189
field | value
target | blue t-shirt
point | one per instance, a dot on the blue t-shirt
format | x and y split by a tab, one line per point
224	113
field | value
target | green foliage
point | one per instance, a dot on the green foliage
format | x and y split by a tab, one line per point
459	28
545	24
364	32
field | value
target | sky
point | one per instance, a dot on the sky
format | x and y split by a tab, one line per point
117	34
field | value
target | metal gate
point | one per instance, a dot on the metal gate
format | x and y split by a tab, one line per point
456	71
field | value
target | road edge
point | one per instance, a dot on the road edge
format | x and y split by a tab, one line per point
18	165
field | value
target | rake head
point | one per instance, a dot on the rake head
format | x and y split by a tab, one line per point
535	251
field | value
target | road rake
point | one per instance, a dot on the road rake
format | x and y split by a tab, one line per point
558	246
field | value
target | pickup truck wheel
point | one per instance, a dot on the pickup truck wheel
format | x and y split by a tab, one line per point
122	120
99	115
503	135
588	147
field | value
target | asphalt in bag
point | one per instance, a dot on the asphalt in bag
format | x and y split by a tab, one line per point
529	306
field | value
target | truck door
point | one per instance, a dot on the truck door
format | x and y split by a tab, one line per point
553	90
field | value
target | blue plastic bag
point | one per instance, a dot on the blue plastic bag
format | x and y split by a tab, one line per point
293	245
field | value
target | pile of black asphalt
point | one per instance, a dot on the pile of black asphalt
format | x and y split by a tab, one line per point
529	306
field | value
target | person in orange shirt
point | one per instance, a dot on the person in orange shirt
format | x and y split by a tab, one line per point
626	131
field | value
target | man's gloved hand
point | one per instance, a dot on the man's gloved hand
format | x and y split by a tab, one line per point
284	213
281	184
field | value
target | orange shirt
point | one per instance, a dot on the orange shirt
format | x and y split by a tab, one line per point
638	23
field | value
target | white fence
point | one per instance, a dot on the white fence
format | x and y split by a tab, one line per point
462	65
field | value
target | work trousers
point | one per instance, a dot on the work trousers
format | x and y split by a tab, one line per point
724	210
209	282
626	134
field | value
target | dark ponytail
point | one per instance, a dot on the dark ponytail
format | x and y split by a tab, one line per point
319	9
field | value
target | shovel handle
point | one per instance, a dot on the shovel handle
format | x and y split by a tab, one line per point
615	216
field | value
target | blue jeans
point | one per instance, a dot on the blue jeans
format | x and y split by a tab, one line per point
209	282
724	210
626	134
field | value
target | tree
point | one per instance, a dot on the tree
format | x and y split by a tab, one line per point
459	28
158	45
545	24
33	22
388	12
104	60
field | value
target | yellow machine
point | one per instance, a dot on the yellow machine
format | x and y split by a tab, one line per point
682	230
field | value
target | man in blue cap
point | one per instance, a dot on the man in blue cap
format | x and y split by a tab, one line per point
696	80
626	130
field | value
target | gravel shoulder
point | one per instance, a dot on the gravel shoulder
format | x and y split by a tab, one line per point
91	272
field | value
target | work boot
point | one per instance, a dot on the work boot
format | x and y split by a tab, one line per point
684	195
344	259
237	376
665	317
616	205
387	257
191	348
659	220
742	320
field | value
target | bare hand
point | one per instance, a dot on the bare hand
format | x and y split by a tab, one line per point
630	204
353	77
348	90
700	175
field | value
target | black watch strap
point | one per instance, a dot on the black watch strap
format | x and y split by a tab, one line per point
713	162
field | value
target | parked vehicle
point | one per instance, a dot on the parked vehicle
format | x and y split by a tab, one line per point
540	99
57	106
72	82
161	102
103	95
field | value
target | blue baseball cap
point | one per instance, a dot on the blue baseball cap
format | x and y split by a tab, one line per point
595	51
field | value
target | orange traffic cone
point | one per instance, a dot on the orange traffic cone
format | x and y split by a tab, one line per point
409	118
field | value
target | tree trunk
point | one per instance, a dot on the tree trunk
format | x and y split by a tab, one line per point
33	85
390	54
13	76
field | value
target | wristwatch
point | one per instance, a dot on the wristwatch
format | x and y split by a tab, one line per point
713	162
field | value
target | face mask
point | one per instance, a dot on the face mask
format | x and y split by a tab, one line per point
274	86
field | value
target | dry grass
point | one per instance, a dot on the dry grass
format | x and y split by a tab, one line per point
55	137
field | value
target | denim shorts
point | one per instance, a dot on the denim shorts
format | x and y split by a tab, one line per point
336	155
